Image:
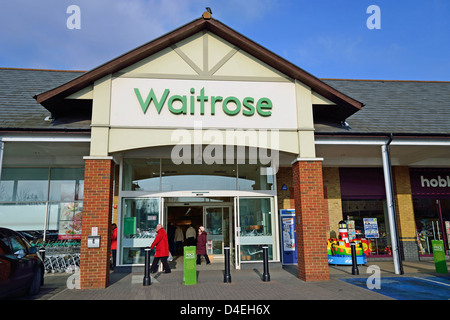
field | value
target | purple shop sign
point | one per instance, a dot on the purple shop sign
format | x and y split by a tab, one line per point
430	182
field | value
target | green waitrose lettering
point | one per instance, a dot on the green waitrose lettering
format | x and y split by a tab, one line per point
182	104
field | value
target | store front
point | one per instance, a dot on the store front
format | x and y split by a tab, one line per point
431	197
364	208
235	204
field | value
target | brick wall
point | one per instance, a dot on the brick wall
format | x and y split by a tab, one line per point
311	220
405	214
332	189
97	208
285	197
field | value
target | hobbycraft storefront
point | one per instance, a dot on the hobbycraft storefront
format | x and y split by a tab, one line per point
203	126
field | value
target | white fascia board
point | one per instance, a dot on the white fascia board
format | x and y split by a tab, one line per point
47	138
350	141
397	141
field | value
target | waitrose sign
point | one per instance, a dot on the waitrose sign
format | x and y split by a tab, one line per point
219	104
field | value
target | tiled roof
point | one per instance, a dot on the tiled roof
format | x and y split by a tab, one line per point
18	108
406	107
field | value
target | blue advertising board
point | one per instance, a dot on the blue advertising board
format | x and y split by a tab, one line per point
288	236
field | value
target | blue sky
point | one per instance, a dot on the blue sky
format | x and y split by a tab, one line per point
327	38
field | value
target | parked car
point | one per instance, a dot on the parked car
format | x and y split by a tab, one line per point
21	267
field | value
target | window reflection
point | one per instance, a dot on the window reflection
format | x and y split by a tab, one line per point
139	220
42	199
163	175
356	212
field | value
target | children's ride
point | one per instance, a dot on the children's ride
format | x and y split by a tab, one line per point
339	250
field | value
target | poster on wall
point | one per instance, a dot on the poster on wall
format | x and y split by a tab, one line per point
288	234
351	230
70	221
371	227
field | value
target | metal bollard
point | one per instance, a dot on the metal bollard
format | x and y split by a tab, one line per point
147	279
266	275
227	275
355	270
42	253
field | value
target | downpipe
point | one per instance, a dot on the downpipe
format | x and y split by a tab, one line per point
387	170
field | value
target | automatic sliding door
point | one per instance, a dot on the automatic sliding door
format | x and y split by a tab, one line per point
137	228
257	222
218	226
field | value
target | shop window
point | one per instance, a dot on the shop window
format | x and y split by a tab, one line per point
156	175
197	176
24	184
138	228
22	216
42	200
255	177
367	219
432	222
66	184
256	223
141	175
255	252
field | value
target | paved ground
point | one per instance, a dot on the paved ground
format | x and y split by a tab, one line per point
246	285
246	295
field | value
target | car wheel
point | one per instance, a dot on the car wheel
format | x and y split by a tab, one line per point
35	283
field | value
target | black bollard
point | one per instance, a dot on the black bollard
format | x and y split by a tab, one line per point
355	270
147	279
42	253
266	275
227	275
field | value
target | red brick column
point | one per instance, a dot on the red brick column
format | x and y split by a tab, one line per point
97	209
311	220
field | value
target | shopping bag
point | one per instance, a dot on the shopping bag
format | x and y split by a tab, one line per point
169	258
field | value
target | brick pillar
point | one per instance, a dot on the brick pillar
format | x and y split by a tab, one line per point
405	214
97	208
311	220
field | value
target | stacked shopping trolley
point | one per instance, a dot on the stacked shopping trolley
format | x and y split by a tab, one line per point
61	256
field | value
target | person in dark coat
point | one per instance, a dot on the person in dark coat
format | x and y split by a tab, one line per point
162	250
201	246
171	237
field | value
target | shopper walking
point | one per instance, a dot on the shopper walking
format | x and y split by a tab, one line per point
190	236
179	239
162	250
201	246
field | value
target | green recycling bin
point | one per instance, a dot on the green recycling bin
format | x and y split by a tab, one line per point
190	265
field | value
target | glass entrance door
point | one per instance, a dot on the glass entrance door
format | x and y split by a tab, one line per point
218	222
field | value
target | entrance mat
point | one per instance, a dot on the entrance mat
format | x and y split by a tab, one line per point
408	288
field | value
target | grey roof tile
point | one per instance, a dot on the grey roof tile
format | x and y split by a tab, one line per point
408	107
18	108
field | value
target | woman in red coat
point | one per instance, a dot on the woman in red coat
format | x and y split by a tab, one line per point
113	246
201	246
162	250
